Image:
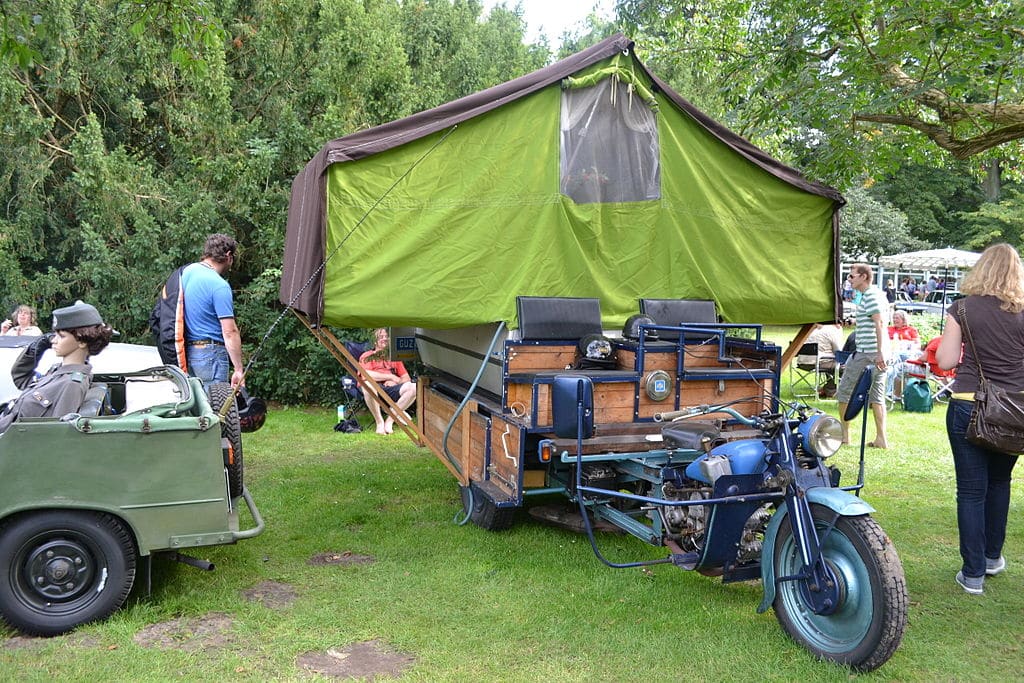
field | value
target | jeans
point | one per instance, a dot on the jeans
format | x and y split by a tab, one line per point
982	492
210	363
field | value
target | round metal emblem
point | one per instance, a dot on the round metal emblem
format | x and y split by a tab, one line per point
658	385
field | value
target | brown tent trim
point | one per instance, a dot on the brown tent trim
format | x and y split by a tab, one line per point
302	279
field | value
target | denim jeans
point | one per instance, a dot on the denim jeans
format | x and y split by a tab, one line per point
982	492
210	363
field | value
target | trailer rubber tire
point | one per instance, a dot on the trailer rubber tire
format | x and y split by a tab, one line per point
485	514
230	429
62	568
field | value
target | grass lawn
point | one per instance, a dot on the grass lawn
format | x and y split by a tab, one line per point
530	604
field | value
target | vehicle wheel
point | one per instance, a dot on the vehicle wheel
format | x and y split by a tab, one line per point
484	513
230	429
61	569
868	625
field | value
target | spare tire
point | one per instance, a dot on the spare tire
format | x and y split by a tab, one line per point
231	436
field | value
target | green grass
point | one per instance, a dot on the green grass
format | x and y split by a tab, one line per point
530	604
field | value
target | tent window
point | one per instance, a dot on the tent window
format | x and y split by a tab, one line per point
609	145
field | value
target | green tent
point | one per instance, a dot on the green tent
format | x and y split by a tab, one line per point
588	178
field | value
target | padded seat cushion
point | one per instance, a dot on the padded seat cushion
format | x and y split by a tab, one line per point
557	317
692	435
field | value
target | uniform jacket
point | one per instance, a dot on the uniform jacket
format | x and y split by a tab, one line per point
57	393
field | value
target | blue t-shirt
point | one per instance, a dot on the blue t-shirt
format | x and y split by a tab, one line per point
207	300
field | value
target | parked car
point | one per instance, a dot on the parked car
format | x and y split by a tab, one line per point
146	466
935	302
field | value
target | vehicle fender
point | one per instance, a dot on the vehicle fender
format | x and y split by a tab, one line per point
842	502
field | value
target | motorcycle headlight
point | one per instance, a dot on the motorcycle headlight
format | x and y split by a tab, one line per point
821	435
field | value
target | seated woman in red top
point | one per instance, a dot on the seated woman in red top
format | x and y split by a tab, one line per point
906	345
391	375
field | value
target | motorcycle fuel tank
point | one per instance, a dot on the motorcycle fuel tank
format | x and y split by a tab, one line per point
745	457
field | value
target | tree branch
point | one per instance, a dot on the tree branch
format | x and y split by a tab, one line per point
941	136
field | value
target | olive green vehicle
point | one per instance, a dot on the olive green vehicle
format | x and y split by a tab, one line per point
145	467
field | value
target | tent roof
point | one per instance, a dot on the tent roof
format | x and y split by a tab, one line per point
930	259
302	280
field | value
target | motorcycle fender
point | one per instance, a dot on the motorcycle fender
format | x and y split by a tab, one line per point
843	502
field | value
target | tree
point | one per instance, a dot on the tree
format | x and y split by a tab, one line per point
933	200
870	229
129	130
993	222
869	85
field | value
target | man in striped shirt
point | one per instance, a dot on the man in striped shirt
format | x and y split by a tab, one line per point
871	352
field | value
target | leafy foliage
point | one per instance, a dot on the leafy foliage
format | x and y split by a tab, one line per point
933	199
131	130
870	229
864	85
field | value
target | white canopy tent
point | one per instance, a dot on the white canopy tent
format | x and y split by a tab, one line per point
934	260
930	259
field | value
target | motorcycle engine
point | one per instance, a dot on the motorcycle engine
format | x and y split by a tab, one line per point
686	525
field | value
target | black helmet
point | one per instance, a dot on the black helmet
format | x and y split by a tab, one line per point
631	330
252	411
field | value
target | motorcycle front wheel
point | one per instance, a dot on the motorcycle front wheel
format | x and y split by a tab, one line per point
868	624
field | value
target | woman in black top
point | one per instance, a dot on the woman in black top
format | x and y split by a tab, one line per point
993	310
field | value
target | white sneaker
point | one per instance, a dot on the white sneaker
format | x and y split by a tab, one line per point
993	567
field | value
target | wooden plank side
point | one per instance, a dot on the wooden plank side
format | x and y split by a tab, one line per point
613	401
506	460
520	399
435	413
477	447
526	359
709	392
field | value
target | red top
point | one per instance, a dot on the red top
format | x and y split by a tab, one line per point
395	367
907	333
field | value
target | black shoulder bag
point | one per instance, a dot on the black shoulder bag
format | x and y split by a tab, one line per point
997	420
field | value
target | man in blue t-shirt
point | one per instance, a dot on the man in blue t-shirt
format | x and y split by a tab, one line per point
212	338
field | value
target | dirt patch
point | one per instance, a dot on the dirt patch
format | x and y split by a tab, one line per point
190	633
272	594
29	642
347	557
364	661
24	643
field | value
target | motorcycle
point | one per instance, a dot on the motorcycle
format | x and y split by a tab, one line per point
747	497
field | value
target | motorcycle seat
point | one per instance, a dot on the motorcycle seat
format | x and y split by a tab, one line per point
692	435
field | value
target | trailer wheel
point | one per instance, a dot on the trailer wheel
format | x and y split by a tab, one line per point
484	513
231	432
60	569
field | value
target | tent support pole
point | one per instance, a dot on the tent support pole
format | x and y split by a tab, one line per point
794	346
351	366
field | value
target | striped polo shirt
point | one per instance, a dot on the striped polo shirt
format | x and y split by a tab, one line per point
871	302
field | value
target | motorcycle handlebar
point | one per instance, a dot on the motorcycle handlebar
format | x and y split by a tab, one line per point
703	410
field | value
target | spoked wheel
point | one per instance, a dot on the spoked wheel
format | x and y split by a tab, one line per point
868	624
62	569
483	512
231	432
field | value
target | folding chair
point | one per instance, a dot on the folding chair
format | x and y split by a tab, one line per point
805	370
352	393
927	368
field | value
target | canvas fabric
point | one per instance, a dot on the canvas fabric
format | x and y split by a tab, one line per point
480	219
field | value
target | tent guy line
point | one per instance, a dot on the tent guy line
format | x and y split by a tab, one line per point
270	330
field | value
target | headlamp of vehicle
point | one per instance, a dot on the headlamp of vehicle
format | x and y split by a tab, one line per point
821	435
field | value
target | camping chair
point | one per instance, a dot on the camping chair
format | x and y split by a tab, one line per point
927	368
351	392
805	371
